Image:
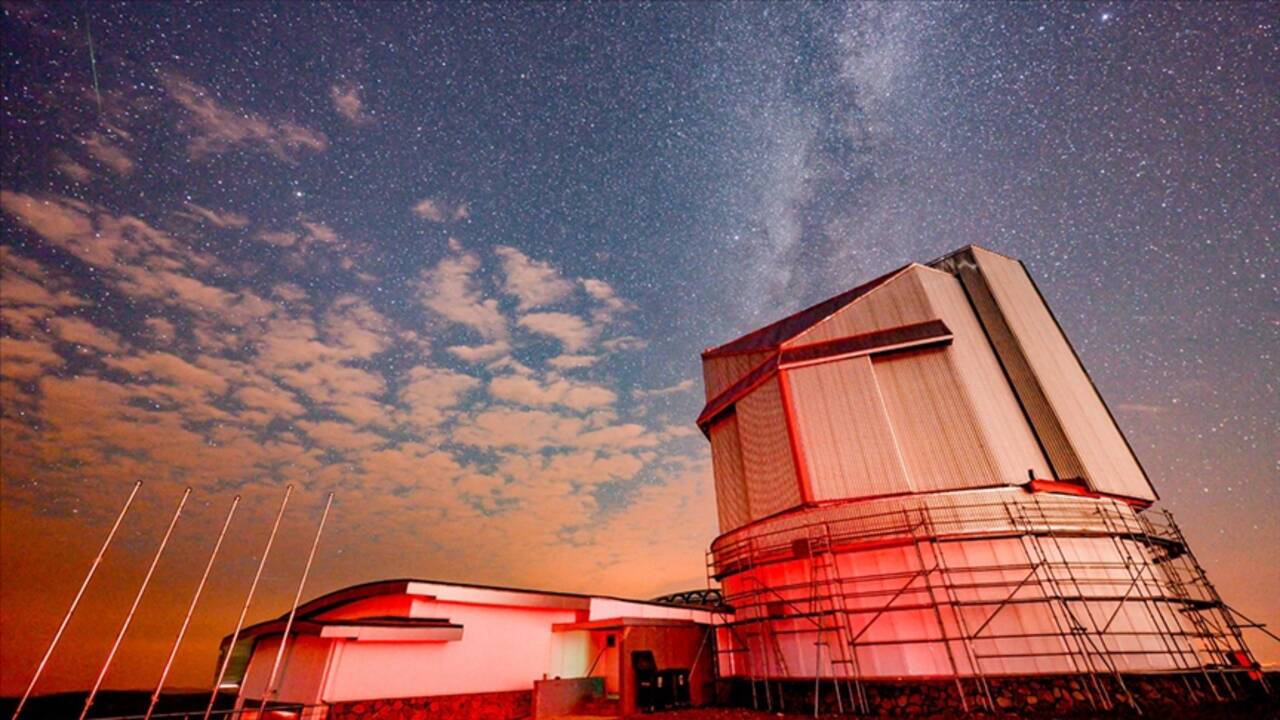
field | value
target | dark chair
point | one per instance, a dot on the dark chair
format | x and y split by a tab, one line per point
674	683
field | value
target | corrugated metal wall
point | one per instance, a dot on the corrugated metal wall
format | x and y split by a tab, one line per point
1108	463
719	373
772	485
900	301
845	438
932	421
726	461
1007	436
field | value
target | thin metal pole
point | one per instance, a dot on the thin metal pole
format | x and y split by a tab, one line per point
142	589
293	611
57	636
235	635
168	664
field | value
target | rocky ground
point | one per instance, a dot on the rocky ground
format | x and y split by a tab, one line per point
1247	710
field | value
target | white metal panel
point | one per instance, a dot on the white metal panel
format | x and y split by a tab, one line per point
772	485
845	439
899	301
726	464
720	373
1109	464
932	421
1006	434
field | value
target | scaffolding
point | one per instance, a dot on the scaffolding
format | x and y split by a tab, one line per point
1119	592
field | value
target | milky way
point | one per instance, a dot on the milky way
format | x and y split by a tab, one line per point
456	262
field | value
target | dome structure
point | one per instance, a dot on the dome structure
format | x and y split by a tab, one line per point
917	479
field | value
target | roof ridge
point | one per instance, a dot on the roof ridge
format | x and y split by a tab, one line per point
766	337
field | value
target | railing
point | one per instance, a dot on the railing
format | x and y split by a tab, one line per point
883	521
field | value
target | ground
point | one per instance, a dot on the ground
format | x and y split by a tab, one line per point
1265	709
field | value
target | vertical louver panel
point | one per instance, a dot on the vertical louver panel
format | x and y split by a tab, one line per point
726	462
719	373
771	480
1004	427
845	439
1094	438
900	301
932	421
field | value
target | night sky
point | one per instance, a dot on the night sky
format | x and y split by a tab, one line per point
455	263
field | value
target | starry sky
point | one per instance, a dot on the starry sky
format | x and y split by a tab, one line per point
455	263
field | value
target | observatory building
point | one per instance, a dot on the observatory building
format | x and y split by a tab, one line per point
917	478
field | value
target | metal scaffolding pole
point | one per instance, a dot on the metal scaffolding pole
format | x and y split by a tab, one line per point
293	611
142	589
248	599
186	621
75	602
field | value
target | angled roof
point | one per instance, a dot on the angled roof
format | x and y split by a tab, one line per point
775	334
310	610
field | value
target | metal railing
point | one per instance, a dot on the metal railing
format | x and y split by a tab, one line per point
1149	572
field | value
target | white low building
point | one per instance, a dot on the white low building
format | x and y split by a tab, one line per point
397	639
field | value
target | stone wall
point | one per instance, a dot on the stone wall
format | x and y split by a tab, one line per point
476	706
1052	695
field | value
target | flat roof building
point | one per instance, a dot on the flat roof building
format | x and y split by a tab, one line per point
467	645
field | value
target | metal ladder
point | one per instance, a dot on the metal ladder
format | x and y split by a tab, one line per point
827	583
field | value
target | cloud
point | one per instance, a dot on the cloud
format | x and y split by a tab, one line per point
683	386
224	220
319	232
609	305
449	291
430	393
86	334
27	359
540	430
279	238
216	129
71	168
480	353
341	436
273	400
624	342
346	100
533	282
573	362
173	370
530	391
29	295
571	330
439	211
108	154
1141	408
56	220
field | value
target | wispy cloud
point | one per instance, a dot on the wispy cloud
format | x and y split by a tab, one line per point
572	331
440	211
534	283
214	128
551	391
681	387
346	100
225	220
109	154
451	292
